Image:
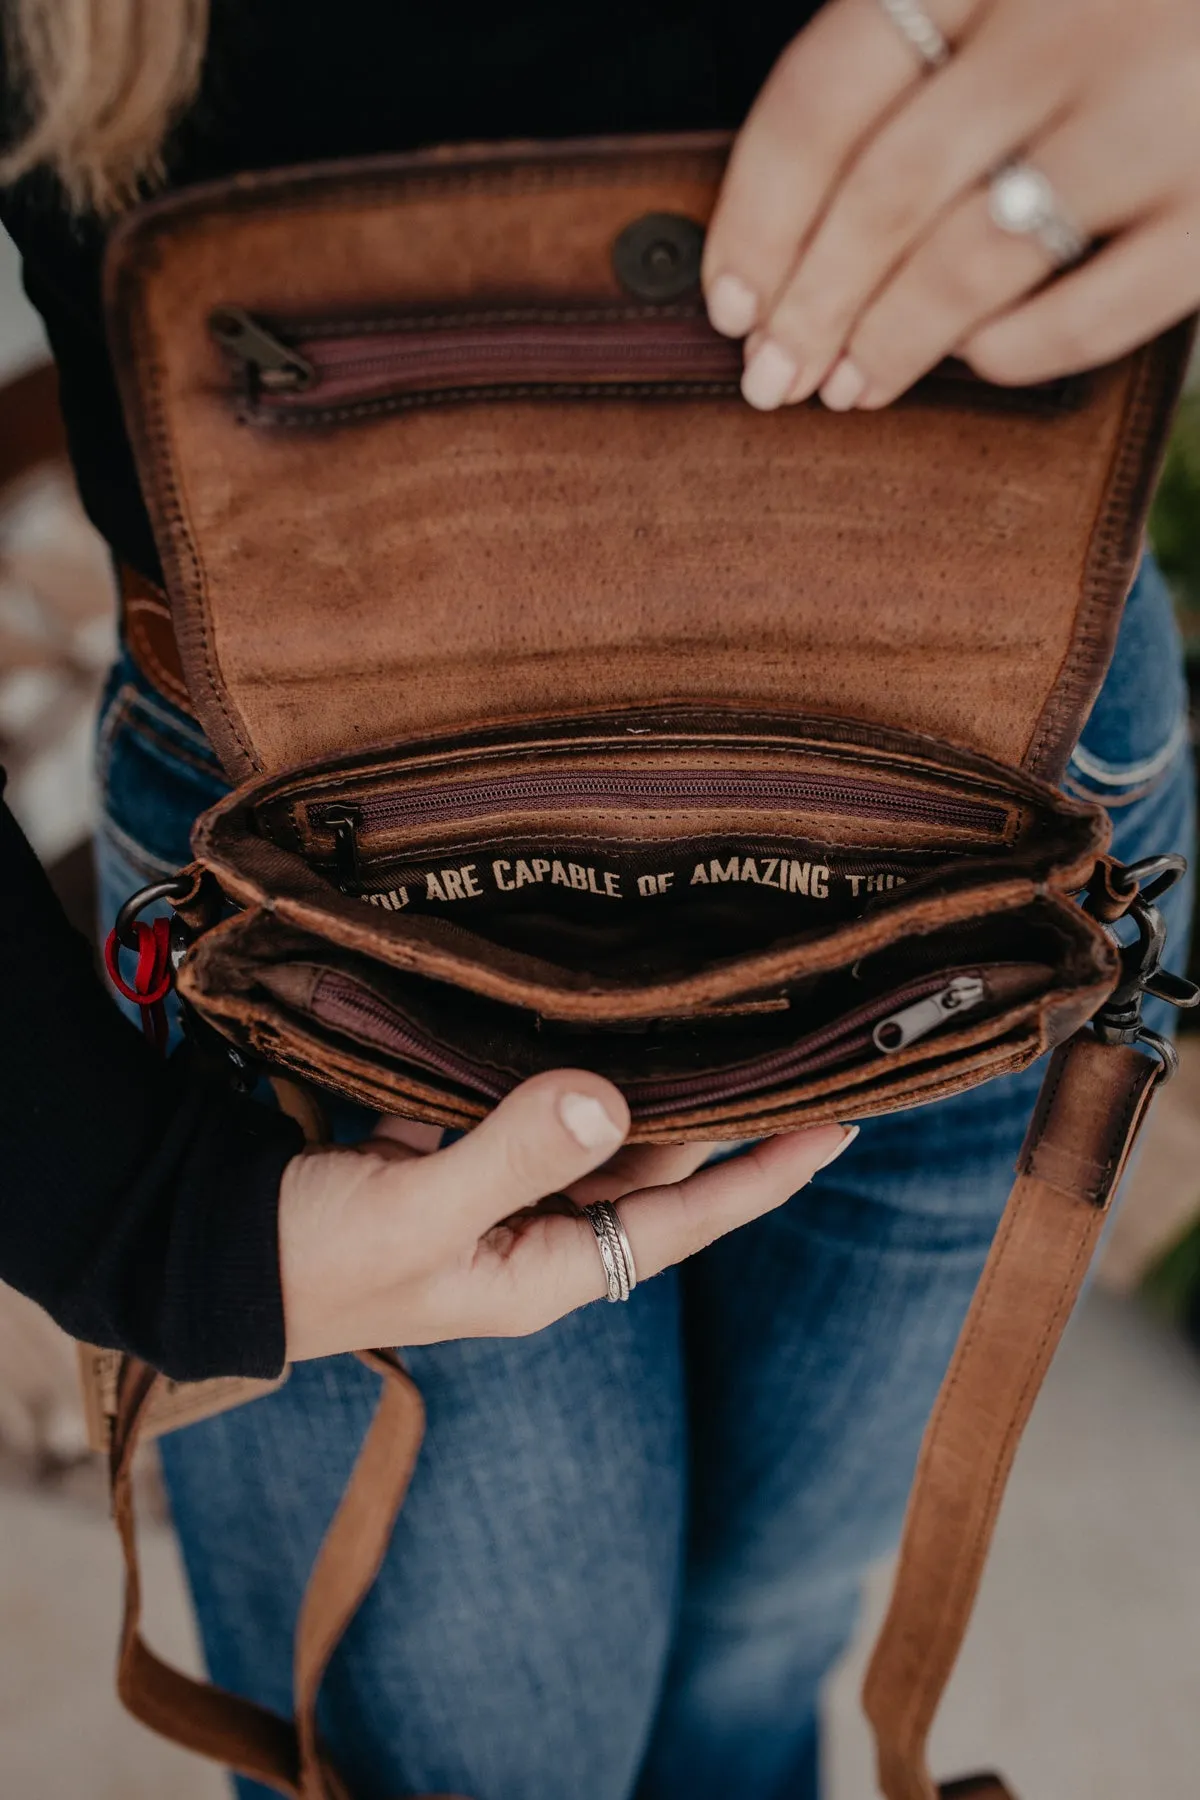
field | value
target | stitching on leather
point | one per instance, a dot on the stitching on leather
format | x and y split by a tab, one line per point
1134	1100
307	417
385	186
1143	408
1041	1113
161	447
976	1543
1093	1192
142	252
449	320
1085	644
968	1557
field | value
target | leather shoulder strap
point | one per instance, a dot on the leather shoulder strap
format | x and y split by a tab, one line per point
282	1754
1092	1104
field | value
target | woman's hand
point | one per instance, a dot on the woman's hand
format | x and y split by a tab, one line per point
397	1243
853	244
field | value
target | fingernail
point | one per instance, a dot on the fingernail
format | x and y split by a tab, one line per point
769	377
851	1132
732	306
588	1123
844	387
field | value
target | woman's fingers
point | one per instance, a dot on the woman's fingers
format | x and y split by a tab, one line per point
998	90
827	91
479	1239
667	1224
968	270
1141	284
545	1135
534	1270
638	1166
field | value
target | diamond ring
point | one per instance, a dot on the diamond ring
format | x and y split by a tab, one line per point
1022	202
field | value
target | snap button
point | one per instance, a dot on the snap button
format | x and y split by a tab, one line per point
657	257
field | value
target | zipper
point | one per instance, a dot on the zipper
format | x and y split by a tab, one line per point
307	370
344	822
267	362
905	1027
853	1033
342	1003
722	788
312	371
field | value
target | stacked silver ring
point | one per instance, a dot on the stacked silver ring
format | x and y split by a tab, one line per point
918	30
614	1247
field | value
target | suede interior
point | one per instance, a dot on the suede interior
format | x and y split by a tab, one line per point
953	565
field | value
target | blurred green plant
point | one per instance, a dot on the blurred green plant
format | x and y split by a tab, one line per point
1175	517
1171	1287
1170	1282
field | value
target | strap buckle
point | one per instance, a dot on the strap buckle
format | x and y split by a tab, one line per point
1119	1020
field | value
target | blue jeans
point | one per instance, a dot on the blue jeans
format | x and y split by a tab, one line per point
634	1542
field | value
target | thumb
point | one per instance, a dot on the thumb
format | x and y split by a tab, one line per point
542	1137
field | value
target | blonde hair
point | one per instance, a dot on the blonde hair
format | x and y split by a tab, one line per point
100	83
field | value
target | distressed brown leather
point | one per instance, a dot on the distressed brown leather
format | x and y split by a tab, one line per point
954	565
1093	1102
442	606
262	843
149	635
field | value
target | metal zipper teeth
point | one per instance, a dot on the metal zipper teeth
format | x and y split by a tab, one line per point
311	367
322	356
473	353
732	789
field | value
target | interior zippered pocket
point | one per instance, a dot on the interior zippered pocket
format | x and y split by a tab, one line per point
891	1022
312	373
317	372
577	792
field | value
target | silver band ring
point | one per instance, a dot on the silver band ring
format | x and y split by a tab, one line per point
1022	202
918	31
615	1253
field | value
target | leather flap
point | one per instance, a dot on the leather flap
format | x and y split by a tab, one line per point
955	564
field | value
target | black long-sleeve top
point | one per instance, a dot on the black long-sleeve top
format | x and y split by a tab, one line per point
138	1200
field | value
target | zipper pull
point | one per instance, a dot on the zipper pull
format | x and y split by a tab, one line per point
344	822
268	361
917	1021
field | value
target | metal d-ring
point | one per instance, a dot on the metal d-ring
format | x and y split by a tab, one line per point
1163	1048
1119	1020
1151	876
174	887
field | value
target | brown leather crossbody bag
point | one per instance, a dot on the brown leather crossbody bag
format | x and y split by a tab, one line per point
579	715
